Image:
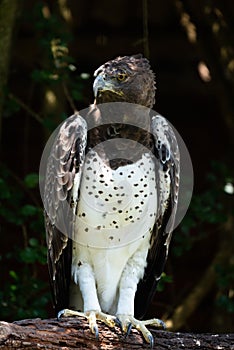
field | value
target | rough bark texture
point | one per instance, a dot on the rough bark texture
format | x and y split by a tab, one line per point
74	333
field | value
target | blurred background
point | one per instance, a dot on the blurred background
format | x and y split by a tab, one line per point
48	53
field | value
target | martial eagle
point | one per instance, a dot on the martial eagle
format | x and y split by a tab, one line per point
112	183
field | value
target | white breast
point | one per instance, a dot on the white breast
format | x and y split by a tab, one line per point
116	207
116	214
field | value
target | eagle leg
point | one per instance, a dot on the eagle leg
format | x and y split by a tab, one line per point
126	322
92	317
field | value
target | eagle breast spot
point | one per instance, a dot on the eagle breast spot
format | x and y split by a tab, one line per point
116	207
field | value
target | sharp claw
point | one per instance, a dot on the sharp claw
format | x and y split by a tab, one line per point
129	329
60	313
162	324
151	340
125	325
95	328
118	323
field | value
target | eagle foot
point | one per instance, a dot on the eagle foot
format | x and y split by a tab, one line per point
92	316
126	322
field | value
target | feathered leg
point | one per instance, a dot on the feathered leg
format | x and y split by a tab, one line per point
92	311
128	286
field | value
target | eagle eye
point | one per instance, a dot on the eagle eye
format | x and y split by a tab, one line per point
121	76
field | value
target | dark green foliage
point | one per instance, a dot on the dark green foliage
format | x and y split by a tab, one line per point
23	254
58	70
225	282
10	107
207	210
163	281
31	180
25	294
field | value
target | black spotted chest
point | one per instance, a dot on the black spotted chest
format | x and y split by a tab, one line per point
116	207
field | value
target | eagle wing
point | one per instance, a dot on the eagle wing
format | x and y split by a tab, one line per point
63	173
167	159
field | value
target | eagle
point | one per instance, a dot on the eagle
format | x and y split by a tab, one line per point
110	197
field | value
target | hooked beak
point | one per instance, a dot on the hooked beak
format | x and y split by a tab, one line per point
98	85
101	84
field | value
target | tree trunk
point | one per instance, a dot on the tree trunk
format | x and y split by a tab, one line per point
74	333
8	14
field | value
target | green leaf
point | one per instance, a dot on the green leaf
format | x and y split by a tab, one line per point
28	255
28	210
164	279
31	180
77	95
4	190
44	76
33	242
14	275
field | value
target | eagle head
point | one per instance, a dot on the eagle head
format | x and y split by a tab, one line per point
127	79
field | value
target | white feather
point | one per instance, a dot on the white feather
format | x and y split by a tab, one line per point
111	239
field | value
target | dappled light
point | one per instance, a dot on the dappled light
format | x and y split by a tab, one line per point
189	27
50	98
46	11
204	72
186	22
65	10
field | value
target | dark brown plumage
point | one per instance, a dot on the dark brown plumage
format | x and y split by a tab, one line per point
124	79
131	80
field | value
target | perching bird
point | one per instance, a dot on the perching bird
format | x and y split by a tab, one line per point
110	197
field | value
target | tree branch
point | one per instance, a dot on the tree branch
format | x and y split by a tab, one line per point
36	116
74	333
